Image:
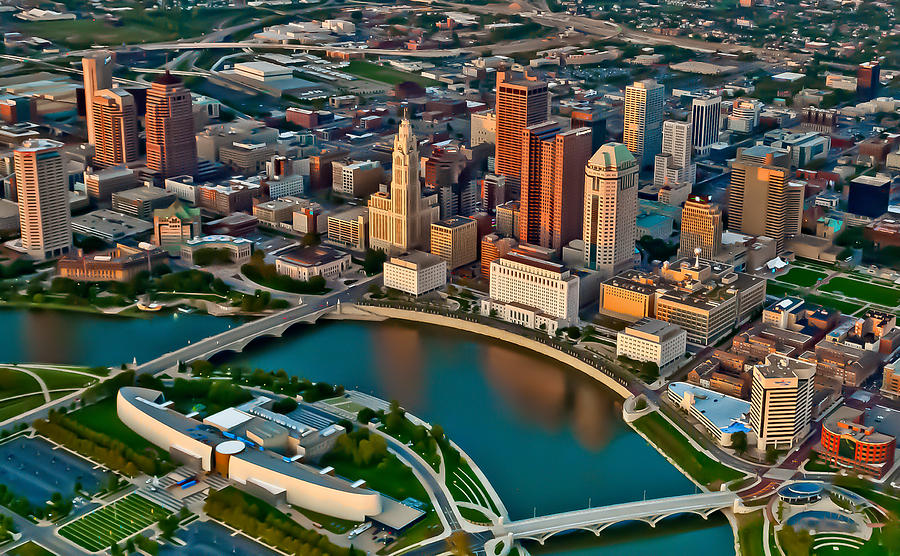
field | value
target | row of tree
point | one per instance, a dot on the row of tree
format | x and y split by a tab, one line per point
259	520
263	273
107	450
276	381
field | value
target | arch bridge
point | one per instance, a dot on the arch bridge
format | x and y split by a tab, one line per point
596	520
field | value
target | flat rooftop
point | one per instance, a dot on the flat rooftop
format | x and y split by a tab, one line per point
726	413
312	256
143	194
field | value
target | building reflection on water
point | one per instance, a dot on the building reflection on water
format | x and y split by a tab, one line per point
535	389
48	338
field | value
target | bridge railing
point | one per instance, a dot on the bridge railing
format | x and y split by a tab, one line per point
590	359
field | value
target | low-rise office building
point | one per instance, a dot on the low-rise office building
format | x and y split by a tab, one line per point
653	341
349	228
239	249
532	291
720	415
302	263
140	202
101	184
415	273
848	443
707	299
175	224
121	264
356	179
455	240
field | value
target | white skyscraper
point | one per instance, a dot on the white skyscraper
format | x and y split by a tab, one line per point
706	113
781	401
44	215
744	115
673	165
643	120
610	209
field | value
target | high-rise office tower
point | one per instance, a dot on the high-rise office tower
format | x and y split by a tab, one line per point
520	103
868	78
97	76
762	201
706	113
401	220
44	215
593	119
610	209
551	204
115	127
171	145
781	401
701	226
673	165
643	120
744	115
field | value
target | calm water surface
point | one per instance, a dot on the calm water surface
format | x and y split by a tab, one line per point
548	438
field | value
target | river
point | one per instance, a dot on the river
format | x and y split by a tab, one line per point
548	438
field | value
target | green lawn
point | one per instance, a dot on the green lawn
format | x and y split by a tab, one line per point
828	301
12	408
30	549
779	290
425	528
102	418
873	293
14	383
114	522
475	516
333	524
56	380
698	465
750	533
802	277
384	74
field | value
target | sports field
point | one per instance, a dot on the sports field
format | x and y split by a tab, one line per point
113	523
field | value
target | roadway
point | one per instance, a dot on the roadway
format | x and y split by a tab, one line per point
632	511
234	338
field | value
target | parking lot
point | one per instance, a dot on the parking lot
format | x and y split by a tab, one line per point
30	467
211	539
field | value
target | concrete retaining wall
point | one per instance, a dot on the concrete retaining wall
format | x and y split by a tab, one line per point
499	334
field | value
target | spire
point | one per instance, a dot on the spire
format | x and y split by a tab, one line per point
405	142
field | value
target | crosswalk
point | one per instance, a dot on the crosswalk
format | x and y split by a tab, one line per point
161	498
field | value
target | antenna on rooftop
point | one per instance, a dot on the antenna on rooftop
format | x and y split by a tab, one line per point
697	251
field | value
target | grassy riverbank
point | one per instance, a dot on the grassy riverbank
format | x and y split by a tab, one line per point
676	446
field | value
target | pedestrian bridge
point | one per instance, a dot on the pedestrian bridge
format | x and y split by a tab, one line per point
596	520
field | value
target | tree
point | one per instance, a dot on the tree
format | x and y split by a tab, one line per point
458	544
365	415
739	442
771	454
284	405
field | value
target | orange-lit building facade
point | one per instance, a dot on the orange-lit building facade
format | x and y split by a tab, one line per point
847	443
115	128
551	204
169	122
520	103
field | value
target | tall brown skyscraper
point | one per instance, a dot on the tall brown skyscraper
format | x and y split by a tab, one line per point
171	146
762	201
701	226
115	127
97	69
551	206
43	199
520	103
